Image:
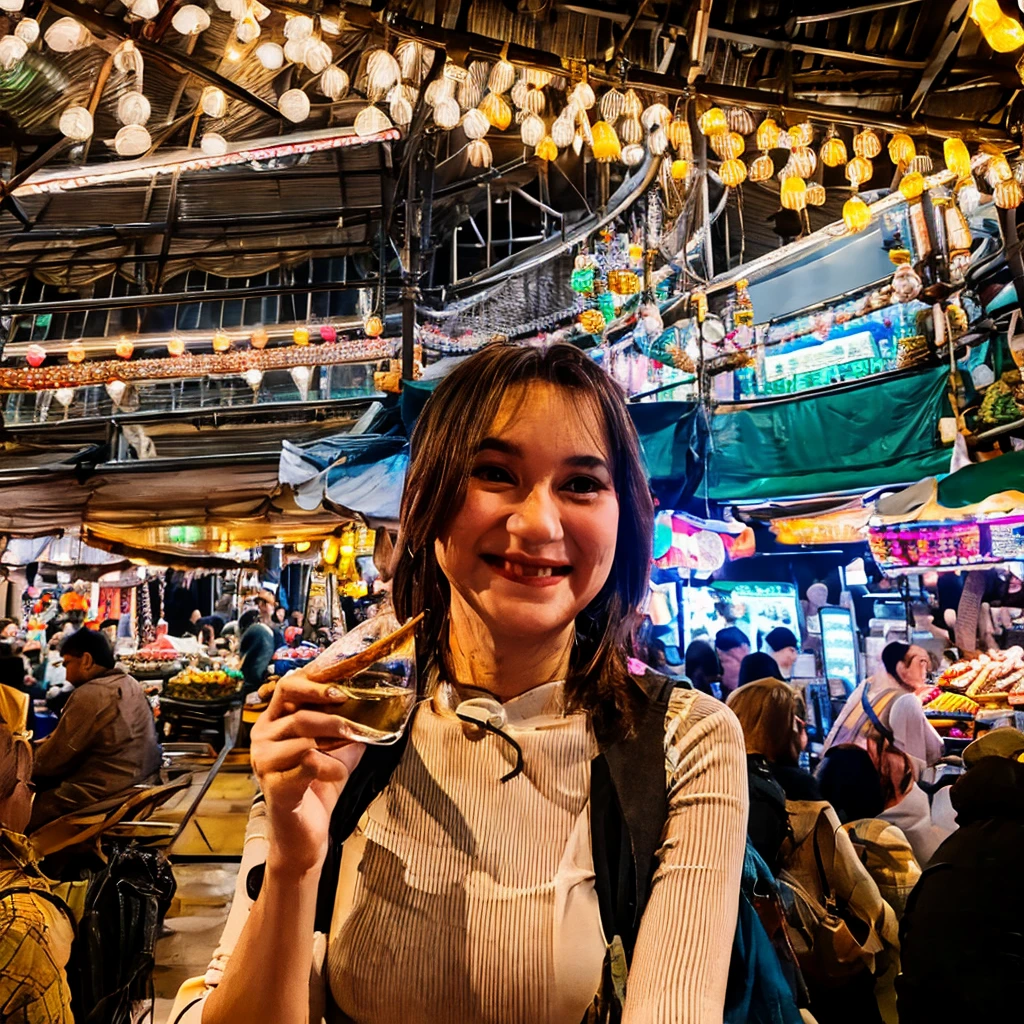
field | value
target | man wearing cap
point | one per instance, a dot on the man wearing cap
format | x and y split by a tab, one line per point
783	647
732	646
962	941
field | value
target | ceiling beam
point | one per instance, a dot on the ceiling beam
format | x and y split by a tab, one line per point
947	39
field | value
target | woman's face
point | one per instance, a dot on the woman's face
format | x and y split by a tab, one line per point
534	540
914	669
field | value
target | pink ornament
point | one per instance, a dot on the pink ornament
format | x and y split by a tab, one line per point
328	334
35	355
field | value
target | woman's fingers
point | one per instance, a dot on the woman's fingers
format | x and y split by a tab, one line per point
313	724
295	690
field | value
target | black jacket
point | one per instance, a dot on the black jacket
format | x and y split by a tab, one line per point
965	918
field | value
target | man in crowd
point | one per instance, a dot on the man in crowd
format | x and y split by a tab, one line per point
105	741
784	649
732	646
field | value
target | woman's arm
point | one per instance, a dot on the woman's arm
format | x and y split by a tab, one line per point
681	961
913	733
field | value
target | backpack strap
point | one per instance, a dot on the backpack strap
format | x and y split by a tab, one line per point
883	730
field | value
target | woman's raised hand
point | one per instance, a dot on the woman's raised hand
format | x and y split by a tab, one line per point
302	762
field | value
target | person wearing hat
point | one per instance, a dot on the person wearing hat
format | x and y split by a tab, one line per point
784	647
961	937
759	666
732	646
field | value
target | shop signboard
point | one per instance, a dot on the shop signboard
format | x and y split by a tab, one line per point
912	546
839	646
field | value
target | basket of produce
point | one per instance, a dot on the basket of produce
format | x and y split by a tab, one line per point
158	660
203	684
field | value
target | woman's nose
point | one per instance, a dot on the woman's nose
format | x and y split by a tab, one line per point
536	520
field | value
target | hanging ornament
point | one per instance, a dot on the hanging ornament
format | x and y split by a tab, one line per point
213	102
912	185
733	173
475	124
124	348
295	52
906	284
76	123
631	104
496	109
66	35
76	352
761	168
373	326
213	144
133	108
254	378
922	164
816	195
657	115
712	122
65	396
582	280
534	101
768	133
370	121
583	96
793	194
1001	31
650	319
867	144
740	120
300	335
35	356
858	171
132	140
190	20
382	71
902	149
501	78
727	145
318	56
592	321
968	198
630	131
856	214
439	89
414	60
998	170
11	6
532	130
271	56
833	151
334	82
328	334
479	153
547	150
680	169
802	161
958	160
221	342
27	30
116	391
1007	194
12	50
259	338
606	143
294	106
248	29
399	106
633	154
145	9
176	347
301	376
682	141
801	135
958	232
611	105
658	142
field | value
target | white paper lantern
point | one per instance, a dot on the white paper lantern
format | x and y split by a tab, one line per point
577	143
518	93
127	59
334	82
502	77
116	389
294	105
12	49
27	30
132	140
133	108
583	96
370	121
532	130
225	5
258	11
612	103
657	115
630	131
213	102
302	375
382	71
633	154
399	108
534	101
248	29
317	56
563	131
67	35
65	396
145	9
414	59
299	27
658	141
329	26
470	92
270	55
11	5
76	123
475	124
440	89
254	378
295	49
213	144
479	153
190	20
446	114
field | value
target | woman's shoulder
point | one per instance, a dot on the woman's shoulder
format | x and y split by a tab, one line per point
695	717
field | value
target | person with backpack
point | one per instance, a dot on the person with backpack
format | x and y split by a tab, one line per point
571	854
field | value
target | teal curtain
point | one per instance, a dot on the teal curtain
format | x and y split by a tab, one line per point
975	483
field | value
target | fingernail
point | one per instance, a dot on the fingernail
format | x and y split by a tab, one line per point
334	693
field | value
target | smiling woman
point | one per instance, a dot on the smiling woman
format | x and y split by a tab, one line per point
548	819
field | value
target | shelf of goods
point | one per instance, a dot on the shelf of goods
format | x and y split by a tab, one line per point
194	683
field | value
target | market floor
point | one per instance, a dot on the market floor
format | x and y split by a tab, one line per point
195	921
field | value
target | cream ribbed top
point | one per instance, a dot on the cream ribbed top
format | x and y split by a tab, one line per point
475	902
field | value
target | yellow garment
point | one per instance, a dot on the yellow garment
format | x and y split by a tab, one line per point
14	709
35	942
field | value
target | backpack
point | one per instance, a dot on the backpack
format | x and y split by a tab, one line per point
837	921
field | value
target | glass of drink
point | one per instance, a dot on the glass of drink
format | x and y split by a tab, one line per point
374	666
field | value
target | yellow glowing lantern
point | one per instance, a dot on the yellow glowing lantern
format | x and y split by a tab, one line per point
859	170
373	326
636	253
300	335
680	169
768	133
606	143
902	149
761	168
1001	32
727	145
679	135
592	321
998	169
301	546
732	173
816	195
330	549
623	282
496	109
833	152
1007	194
802	161
867	144
801	134
124	348
912	185
546	148
176	347
221	341
259	338
793	193
713	121
958	160
76	352
856	214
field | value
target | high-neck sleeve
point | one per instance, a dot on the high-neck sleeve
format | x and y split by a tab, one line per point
681	961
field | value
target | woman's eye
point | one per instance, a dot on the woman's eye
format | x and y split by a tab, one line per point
583	485
493	474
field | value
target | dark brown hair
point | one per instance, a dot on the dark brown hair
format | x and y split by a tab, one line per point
444	445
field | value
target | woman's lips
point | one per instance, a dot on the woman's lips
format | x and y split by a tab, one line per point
527	574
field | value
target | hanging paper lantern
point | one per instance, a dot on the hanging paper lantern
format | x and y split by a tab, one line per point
294	105
35	356
27	30
679	136
271	56
856	214
328	334
867	144
680	169
858	171
712	121
906	284
912	185
631	104
479	153
532	130
998	169
1001	31
611	105
66	35
254	378
334	82
496	109
606	143
65	396
76	123
547	150
740	120
116	389
221	342
439	89
213	144
300	335
592	321
301	376
534	101
922	163
475	124
176	347
727	145
816	195
76	352
902	149
636	253
127	59
958	160
793	194
133	108
470	92
623	282
259	338
248	29
563	131
295	51
213	102
12	50
802	161
801	134
761	168
414	60
145	9
958	232
318	56
382	71
11	6
968	197
732	173
658	142
373	326
833	151
657	115
190	20
399	107
633	154
630	131
768	133
132	140
1008	194
583	95
502	77
370	121
124	348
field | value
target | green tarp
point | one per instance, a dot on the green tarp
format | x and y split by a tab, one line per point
975	483
876	433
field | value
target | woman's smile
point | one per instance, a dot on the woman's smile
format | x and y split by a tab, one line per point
527	571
